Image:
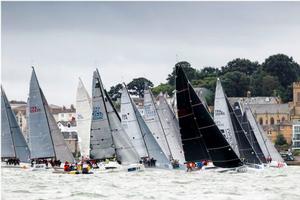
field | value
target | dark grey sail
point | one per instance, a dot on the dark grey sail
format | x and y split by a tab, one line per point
201	138
45	138
247	153
248	131
13	144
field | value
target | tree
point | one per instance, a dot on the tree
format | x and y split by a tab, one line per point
235	84
137	86
280	140
163	87
242	65
191	73
283	67
115	92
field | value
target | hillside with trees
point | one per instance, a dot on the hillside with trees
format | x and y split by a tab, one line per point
273	77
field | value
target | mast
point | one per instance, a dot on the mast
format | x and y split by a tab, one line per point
134	109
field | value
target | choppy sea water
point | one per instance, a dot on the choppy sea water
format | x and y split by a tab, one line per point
270	184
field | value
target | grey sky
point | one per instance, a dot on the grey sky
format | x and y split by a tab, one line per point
125	40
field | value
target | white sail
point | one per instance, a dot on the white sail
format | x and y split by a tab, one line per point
171	128
125	150
13	143
101	141
83	114
130	125
45	138
139	133
265	144
222	117
154	123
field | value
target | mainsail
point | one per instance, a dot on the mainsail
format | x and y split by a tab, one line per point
222	117
201	137
115	140
13	144
242	117
101	140
247	153
139	133
170	127
154	123
83	113
267	146
45	138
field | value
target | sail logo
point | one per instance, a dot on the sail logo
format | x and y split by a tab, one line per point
97	114
34	109
219	112
79	116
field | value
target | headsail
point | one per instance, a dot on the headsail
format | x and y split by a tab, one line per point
222	117
242	117
83	113
201	137
139	133
13	144
45	138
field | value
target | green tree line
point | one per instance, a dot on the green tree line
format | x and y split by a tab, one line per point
273	77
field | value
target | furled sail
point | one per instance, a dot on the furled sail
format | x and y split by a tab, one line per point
263	140
101	141
201	137
222	117
45	138
242	117
247	153
83	113
13	144
140	135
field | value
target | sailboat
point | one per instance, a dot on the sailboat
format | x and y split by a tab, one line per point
45	139
158	122
249	131
108	140
140	135
13	145
83	113
268	149
201	138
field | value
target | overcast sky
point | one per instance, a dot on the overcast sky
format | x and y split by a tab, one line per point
125	40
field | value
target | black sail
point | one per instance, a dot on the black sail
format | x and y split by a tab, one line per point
247	153
248	131
201	137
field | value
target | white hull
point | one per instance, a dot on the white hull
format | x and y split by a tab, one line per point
115	167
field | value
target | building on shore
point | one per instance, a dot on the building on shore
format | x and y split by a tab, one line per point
295	115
